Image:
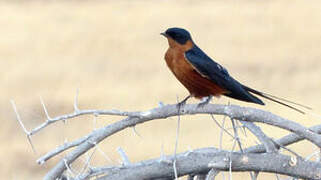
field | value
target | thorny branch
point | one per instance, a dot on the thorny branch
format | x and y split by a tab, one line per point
202	160
205	163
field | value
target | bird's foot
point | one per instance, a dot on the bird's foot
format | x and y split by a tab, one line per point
182	103
205	101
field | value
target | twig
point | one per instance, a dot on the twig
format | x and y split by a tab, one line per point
264	139
221	127
124	157
28	134
44	108
104	154
76	101
136	132
284	141
236	135
87	162
69	170
203	160
221	140
176	141
236	112
289	150
60	149
212	174
19	118
230	159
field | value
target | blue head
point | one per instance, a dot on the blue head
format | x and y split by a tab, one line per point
178	34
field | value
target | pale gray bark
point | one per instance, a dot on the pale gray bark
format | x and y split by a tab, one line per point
196	162
202	160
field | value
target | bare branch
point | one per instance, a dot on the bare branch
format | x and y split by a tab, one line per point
255	175
80	113
44	108
87	161
19	118
221	127
235	112
60	149
202	160
284	141
28	134
265	162
289	150
264	139
236	135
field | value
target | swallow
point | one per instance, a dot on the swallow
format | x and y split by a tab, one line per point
205	78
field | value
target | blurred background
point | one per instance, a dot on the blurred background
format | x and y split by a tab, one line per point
112	52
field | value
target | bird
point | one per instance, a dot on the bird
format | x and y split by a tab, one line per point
205	78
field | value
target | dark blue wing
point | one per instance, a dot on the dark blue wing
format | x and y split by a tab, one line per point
218	75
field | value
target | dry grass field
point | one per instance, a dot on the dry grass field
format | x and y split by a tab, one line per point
112	52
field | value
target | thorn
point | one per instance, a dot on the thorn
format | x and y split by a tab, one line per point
32	146
104	154
76	101
220	126
64	121
135	132
68	168
123	156
23	127
87	160
18	117
45	109
175	169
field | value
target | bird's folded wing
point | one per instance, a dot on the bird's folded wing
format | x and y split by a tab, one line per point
208	68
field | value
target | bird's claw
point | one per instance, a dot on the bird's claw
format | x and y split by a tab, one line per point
181	104
201	104
204	102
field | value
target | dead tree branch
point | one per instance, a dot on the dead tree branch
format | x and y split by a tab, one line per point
195	162
269	145
202	160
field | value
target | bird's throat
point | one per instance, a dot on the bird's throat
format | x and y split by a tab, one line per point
182	47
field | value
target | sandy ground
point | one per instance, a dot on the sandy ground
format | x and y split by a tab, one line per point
113	53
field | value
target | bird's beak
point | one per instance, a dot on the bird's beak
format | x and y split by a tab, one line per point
164	34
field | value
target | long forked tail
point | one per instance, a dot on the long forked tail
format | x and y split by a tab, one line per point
278	100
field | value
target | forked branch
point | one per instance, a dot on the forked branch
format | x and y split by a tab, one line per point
194	162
